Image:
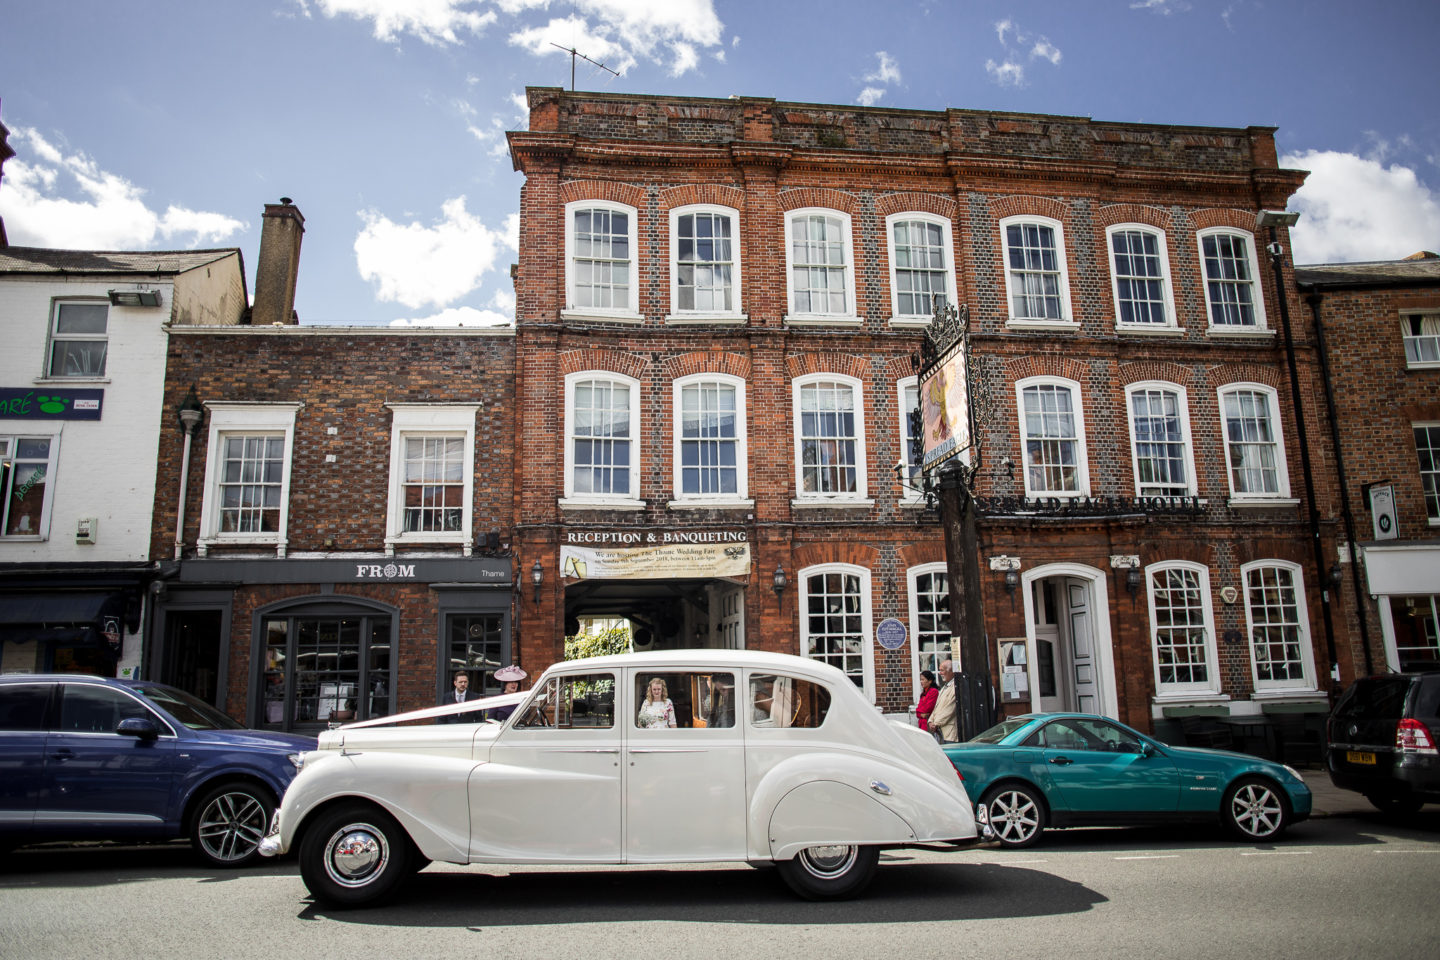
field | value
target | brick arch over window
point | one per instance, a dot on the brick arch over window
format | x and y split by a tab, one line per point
710	193
1242	220
917	202
1141	371
1231	373
1111	214
687	364
801	364
1027	206
816	554
798	198
915	554
625	193
1048	366
611	361
897	368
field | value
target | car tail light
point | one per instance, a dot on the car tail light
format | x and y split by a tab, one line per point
1412	736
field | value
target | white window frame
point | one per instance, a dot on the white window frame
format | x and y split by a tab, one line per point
229	418
947	246
849	317
34	431
741	497
53	336
912	580
1066	320
1167	297
1183	411
1210	688
1281	496
574	312
417	420
734	315
908	494
1257	290
593	501
1082	451
1417	344
1306	683
1432	499
867	643
860	496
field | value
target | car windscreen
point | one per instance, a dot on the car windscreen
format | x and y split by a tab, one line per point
188	709
1001	730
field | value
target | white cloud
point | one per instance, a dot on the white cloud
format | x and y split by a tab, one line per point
574	33
870	96
1162	7
1045	50
685	58
458	317
420	266
887	72
1002	27
1007	74
436	22
66	201
1356	208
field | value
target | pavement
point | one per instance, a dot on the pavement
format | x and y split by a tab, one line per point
1328	800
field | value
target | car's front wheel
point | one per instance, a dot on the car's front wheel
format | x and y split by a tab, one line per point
229	823
1016	813
1254	809
832	872
354	855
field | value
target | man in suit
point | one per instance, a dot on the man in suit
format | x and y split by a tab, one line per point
461	694
943	721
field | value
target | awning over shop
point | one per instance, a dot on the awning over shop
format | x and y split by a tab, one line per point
1403	567
73	616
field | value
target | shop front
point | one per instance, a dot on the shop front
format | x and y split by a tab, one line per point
298	644
71	622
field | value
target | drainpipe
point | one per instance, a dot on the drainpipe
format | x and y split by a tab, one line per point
1315	299
1322	574
190	415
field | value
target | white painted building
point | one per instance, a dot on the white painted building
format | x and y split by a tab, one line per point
82	376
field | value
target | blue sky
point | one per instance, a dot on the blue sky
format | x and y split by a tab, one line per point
167	124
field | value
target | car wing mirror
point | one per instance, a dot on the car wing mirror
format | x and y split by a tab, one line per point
142	728
1141	748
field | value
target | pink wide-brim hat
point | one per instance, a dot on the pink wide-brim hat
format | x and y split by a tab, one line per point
512	672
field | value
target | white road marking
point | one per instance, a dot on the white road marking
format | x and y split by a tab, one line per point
1163	856
1276	853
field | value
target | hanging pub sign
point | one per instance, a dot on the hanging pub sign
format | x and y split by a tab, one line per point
945	390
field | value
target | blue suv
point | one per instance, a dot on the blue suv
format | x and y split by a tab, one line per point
89	758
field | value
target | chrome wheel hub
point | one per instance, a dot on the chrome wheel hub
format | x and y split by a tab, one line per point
356	854
829	861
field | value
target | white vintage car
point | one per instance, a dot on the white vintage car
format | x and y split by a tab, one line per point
687	756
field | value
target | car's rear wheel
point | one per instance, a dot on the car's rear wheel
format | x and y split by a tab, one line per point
229	823
832	872
354	855
1016	813
1255	809
1395	806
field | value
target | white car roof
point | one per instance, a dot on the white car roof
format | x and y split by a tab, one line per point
725	659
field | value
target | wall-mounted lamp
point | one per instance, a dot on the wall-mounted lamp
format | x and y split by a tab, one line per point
1009	466
1012	580
1336	575
779	583
134	298
537	577
1132	583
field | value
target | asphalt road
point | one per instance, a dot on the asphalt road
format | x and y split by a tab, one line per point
1354	886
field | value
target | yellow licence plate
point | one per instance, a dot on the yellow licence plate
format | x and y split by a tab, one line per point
1360	756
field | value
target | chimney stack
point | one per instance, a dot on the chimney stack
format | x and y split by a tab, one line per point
279	264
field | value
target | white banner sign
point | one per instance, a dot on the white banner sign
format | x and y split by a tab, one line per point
664	562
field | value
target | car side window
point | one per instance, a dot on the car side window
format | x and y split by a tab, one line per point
96	709
581	701
22	706
778	701
687	699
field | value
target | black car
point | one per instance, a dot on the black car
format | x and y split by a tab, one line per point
1381	740
88	758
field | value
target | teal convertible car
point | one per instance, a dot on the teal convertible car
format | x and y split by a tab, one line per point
1068	770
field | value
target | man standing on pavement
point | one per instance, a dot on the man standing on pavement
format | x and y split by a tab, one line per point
461	694
943	722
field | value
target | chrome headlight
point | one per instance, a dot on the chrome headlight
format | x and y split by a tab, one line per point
1294	773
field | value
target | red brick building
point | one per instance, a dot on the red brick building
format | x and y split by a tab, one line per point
1381	327
344	507
718	306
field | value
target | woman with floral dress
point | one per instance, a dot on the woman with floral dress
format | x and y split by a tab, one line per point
657	710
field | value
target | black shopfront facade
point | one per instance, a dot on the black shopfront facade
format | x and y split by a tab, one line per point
299	644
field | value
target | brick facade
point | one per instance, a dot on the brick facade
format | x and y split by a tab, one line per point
762	159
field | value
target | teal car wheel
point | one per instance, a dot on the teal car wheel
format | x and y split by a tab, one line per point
1016	813
1255	809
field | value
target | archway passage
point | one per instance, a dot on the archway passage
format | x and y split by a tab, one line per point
1071	660
675	614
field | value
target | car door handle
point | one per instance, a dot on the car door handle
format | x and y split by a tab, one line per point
592	750
62	755
1061	761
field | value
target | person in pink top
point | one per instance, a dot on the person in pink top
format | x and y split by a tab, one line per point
929	693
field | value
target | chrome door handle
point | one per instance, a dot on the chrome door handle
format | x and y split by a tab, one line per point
1061	761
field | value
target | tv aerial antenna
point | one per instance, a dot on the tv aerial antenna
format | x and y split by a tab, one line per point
576	53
